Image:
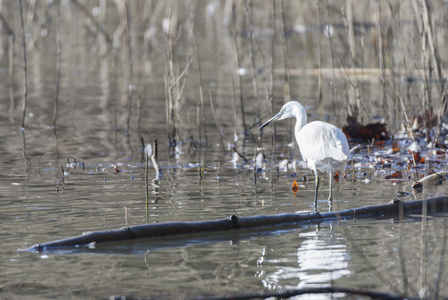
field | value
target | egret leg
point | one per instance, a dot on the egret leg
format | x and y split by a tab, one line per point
330	179
330	196
315	192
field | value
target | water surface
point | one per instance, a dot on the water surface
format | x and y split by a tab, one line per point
88	173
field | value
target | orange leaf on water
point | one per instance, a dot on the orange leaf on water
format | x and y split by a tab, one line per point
396	175
395	147
295	187
336	177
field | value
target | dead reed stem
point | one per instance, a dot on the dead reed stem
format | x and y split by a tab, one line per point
355	106
25	79
441	260
174	91
58	66
10	34
235	133
248	9
147	183
237	58
441	112
431	58
287	89
201	95
271	78
216	122
11	77
423	247
330	40
401	253
6	26
429	34
255	165
350	29
130	86
380	53
319	81
139	112
155	159
94	21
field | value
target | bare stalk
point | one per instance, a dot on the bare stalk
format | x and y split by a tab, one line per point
237	57
235	134
155	161
25	80
330	39
441	112
147	183
401	253
10	34
271	92
355	105
424	247
350	29
93	20
248	7
216	122
11	77
380	54
131	71
5	25
441	261
201	95
287	89
58	66
319	82
435	57
139	113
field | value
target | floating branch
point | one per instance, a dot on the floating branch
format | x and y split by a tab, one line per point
233	222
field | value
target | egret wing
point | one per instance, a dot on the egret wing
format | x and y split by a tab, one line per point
320	141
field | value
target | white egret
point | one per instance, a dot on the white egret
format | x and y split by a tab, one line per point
323	146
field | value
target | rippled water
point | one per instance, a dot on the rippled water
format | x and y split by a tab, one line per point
46	195
362	254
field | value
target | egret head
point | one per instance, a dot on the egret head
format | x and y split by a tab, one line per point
289	110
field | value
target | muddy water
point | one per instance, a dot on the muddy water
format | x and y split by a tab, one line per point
89	173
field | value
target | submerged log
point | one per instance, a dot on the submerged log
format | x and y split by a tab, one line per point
244	223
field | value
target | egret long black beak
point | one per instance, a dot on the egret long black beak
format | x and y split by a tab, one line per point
276	117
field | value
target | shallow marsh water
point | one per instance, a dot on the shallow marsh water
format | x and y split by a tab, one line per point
105	187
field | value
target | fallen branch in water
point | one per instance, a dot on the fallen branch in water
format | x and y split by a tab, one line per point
245	223
433	178
317	290
283	294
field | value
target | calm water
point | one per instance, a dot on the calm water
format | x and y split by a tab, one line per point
105	187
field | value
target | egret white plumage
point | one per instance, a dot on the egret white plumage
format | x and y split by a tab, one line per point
323	146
